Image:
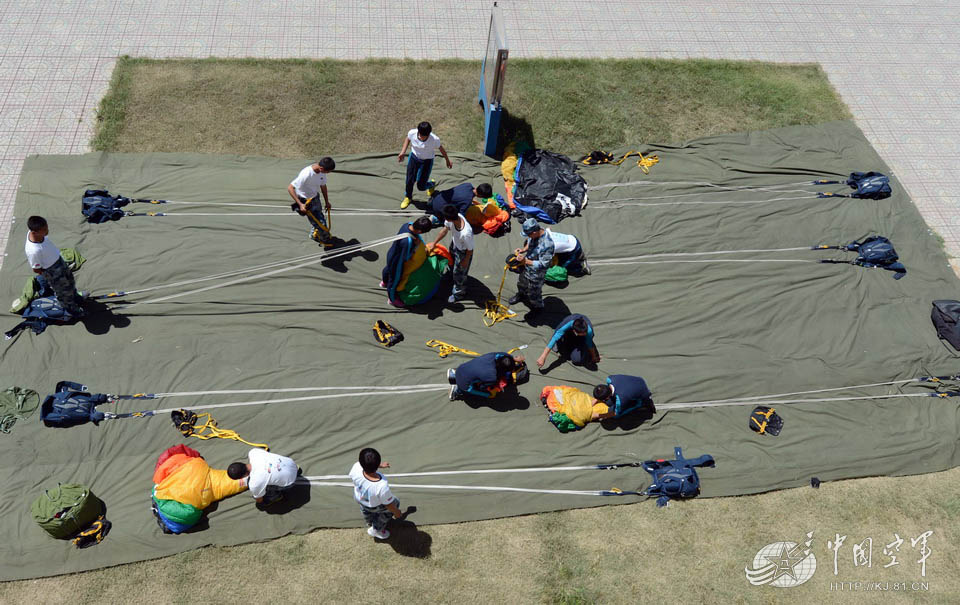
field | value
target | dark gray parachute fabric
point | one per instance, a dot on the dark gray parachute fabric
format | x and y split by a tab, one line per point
694	331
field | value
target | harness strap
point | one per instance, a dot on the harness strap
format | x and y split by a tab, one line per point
208	429
495	311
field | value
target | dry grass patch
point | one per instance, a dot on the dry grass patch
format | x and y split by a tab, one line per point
299	108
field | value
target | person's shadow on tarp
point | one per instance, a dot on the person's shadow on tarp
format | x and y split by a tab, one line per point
100	318
339	265
507	401
629	421
407	539
554	310
293	498
434	308
559	361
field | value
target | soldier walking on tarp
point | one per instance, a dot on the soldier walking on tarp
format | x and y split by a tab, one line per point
305	191
536	256
44	258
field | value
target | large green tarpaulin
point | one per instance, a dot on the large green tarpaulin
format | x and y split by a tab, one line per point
694	331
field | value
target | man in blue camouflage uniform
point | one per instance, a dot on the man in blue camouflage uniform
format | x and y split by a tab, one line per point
536	256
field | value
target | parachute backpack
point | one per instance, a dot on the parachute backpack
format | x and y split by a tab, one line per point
765	420
98	206
386	334
874	252
71	511
866	186
675	479
71	405
40	313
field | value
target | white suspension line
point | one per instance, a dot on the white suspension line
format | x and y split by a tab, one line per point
414	390
488	488
698	184
618	204
325	257
293	390
677	406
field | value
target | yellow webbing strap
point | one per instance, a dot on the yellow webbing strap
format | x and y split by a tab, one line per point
445	348
310	214
96	531
495	311
644	163
213	431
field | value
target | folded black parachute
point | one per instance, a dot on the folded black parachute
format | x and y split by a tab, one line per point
548	186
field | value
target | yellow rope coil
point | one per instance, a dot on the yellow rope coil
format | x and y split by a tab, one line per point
209	430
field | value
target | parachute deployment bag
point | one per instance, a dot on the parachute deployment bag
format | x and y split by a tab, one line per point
869	185
946	319
67	510
675	479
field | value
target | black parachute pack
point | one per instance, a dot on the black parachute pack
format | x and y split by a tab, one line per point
946	319
675	479
866	186
548	186
71	405
521	373
765	421
874	252
514	264
597	157
40	313
386	334
99	206
877	251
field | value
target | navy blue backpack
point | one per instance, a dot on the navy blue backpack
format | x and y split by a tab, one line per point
99	206
866	186
71	405
877	251
675	479
39	314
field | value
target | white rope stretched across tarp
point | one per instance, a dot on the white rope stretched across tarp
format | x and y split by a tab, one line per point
284	266
700	184
491	488
353	392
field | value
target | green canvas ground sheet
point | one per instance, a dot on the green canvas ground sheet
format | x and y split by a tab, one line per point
694	331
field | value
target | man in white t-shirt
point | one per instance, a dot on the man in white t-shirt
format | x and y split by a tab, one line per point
461	247
569	253
424	146
305	191
44	258
372	493
267	475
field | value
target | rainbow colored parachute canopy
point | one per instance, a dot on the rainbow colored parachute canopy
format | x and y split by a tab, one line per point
184	485
421	274
569	408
